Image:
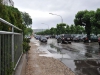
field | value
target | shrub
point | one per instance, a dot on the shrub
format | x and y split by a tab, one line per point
26	46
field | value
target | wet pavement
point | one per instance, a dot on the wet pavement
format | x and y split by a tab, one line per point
74	55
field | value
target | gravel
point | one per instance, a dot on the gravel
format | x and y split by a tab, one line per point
40	65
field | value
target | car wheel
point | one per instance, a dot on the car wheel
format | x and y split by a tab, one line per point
69	42
62	42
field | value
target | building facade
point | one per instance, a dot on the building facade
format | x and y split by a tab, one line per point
8	2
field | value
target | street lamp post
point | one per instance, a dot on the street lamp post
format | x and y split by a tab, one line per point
45	24
59	16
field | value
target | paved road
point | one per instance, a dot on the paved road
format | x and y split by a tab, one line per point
74	55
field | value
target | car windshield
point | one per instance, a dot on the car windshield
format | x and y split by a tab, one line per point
43	37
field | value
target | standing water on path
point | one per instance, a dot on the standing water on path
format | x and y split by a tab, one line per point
73	56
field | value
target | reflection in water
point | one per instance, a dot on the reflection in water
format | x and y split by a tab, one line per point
56	48
93	50
88	67
80	67
52	51
83	67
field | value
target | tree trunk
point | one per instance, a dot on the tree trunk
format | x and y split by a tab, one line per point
88	31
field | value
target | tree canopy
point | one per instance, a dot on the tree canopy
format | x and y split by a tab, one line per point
88	19
63	29
26	19
11	14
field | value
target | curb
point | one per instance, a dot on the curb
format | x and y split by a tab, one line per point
20	69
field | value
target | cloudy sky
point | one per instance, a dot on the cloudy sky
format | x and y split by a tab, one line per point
39	10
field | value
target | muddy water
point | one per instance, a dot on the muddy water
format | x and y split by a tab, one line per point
74	55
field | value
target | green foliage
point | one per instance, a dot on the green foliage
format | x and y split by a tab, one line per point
53	31
85	22
11	15
28	31
89	19
63	29
26	46
26	19
67	29
10	69
72	29
96	21
79	29
47	32
84	18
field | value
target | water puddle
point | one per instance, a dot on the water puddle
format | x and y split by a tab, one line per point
74	56
53	51
83	67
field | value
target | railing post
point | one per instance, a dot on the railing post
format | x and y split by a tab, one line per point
0	54
22	42
10	48
13	46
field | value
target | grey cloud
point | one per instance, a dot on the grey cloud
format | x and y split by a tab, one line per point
66	8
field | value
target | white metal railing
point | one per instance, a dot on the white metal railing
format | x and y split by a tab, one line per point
11	48
4	21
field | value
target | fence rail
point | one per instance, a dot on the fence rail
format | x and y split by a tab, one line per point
11	49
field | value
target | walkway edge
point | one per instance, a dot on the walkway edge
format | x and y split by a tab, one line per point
20	70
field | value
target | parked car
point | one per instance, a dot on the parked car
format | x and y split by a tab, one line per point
37	37
65	38
52	36
47	36
98	69
43	39
93	38
78	38
57	36
88	54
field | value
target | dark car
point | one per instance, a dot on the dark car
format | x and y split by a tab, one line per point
78	38
93	38
65	38
98	69
43	39
47	36
37	37
58	38
88	54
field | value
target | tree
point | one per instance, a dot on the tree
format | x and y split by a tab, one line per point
61	28
26	19
79	29
1	2
47	32
83	18
67	29
28	31
53	31
11	15
72	29
96	22
95	30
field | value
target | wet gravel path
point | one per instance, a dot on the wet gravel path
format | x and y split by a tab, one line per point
40	65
